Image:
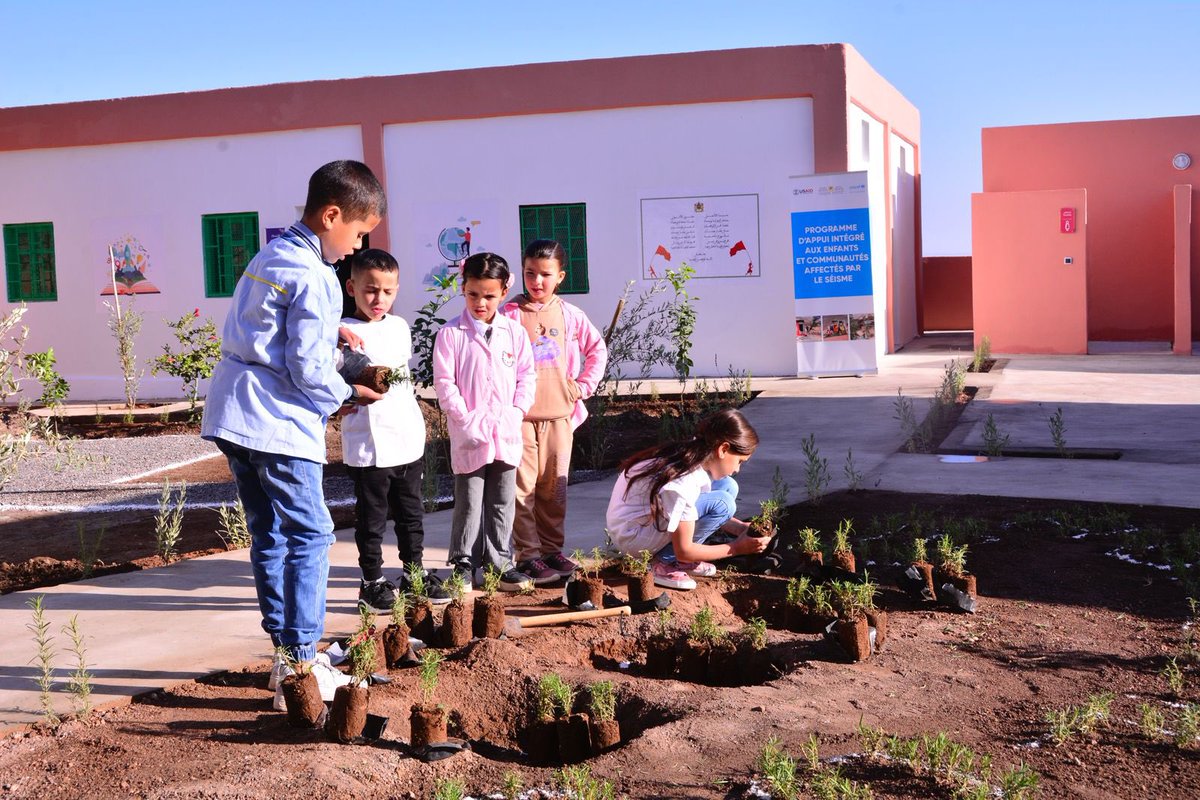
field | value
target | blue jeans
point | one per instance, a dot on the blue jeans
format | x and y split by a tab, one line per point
291	534
716	507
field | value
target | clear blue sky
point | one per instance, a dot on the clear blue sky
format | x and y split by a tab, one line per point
966	65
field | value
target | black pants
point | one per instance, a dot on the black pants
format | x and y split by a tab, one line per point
378	491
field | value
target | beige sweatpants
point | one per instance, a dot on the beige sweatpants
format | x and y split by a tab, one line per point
538	527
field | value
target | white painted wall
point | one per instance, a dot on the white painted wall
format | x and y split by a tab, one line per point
904	227
609	160
866	142
168	185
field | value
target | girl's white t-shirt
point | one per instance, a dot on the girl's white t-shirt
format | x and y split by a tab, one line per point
391	431
630	527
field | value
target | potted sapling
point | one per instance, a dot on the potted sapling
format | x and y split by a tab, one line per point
919	573
348	716
765	523
807	608
574	730
585	586
843	557
952	570
850	629
702	634
428	719
662	646
602	702
302	695
396	649
638	578
420	609
754	660
366	630
487	620
811	557
876	616
543	730
456	627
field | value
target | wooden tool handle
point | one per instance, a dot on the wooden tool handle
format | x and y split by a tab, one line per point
573	616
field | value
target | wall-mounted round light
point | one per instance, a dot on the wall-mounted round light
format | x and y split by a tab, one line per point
1181	161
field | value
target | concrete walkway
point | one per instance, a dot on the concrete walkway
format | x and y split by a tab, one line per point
151	629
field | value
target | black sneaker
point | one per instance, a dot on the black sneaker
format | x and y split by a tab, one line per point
512	580
377	596
437	592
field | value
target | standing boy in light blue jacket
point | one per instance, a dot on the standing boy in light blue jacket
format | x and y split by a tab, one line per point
271	395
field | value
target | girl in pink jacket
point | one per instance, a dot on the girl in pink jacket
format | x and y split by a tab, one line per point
484	377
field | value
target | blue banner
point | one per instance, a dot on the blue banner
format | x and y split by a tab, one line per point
831	253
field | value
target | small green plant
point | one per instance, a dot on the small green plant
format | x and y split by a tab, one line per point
779	770
951	559
125	327
682	315
418	584
449	789
919	553
556	697
595	563
1173	675
397	376
798	591
993	440
454	585
756	632
578	783
1187	727
361	655
808	540
43	659
854	478
511	785
491	580
1018	782
1057	431
847	600
983	354
431	662
199	351
663	621
400	606
935	751
1062	724
80	682
811	750
637	565
816	469
89	548
426	324
602	701
40	367
1151	720
841	536
953	381
168	523
704	627
232	526
872	738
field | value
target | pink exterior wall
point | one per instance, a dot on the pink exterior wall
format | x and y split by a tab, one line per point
1125	166
1181	343
1025	299
946	293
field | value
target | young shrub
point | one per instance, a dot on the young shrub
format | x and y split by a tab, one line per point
80	683
40	367
578	783
431	662
1173	675
549	689
361	655
664	622
841	537
821	600
808	540
847	600
909	427
43	659
595	564
798	591
778	769
919	553
511	785
449	789
982	354
811	750
89	548
854	478
418	585
993	440
125	327
232	527
756	632
1057	431
952	560
638	565
872	738
1019	782
1151	720
602	701
168	523
400	607
491	580
816	469
199	351
426	325
704	627
455	586
1187	727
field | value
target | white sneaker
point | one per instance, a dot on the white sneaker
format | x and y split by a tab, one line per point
328	680
699	569
279	671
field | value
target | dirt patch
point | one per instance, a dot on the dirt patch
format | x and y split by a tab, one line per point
1059	620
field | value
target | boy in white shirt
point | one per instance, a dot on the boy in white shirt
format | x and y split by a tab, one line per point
383	444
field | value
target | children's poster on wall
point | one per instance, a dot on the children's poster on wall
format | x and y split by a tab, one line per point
831	275
125	255
716	235
446	233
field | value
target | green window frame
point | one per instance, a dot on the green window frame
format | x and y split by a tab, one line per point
565	223
29	262
230	241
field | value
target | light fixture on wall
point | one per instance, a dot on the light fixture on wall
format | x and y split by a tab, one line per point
1181	161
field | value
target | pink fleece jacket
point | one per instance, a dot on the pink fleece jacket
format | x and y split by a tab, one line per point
484	389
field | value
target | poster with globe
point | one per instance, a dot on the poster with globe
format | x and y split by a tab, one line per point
125	255
447	233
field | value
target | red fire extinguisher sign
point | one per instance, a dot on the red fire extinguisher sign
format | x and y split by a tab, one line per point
1066	220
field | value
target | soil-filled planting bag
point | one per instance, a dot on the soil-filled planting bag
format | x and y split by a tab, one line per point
661	656
543	742
378	659
606	734
488	617
302	695
877	619
456	626
574	738
810	564
395	645
918	581
854	638
641	588
844	561
428	725
723	667
966	584
583	589
754	664
693	661
420	621
348	715
799	619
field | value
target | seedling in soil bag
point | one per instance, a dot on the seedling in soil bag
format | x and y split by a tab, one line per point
584	588
843	557
456	626
397	651
488	614
428	721
602	702
917	579
420	612
807	608
302	695
957	587
348	716
638	578
811	557
850	629
557	735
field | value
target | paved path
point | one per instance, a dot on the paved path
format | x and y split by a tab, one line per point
151	629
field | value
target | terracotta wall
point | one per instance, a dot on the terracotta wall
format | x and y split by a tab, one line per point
1125	165
946	293
1025	298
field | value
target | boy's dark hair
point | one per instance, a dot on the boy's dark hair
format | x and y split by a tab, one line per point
482	266
349	185
373	258
667	461
546	249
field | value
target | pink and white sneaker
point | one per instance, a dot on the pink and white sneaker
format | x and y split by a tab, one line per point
700	569
668	576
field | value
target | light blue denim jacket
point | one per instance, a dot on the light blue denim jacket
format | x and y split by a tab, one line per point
276	385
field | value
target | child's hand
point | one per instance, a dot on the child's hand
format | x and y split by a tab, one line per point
749	545
366	395
352	339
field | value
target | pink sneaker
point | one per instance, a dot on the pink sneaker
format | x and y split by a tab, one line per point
701	569
666	575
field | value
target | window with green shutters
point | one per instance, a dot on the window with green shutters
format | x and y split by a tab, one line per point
29	262
230	241
565	223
